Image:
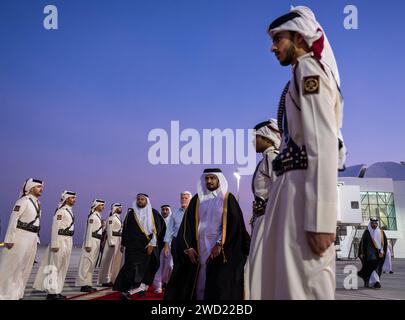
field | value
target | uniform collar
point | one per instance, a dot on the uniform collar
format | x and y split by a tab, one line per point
305	56
268	150
32	197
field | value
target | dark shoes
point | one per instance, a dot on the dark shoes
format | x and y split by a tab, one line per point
107	285
88	289
55	297
377	285
391	272
125	295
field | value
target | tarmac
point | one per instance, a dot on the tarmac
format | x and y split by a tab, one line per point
348	285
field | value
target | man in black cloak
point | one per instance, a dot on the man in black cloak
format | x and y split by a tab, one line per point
212	245
142	237
372	250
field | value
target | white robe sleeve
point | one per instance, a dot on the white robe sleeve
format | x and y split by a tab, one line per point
90	223
320	139
57	219
169	230
110	238
18	209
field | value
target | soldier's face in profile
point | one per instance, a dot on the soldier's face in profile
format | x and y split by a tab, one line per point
141	201
100	207
283	47
165	212
71	201
37	191
262	143
212	182
118	210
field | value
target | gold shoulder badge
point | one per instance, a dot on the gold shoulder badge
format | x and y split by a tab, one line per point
311	85
91	221
110	222
17	208
59	217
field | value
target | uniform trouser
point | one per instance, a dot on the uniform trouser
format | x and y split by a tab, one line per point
87	264
253	267
104	275
16	265
290	270
52	272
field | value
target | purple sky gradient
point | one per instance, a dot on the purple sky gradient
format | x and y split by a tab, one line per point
77	104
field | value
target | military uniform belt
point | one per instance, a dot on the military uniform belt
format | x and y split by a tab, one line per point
291	158
64	232
27	227
96	235
117	233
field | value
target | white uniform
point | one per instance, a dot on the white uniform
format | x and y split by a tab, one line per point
261	185
112	256
54	265
88	260
304	200
166	265
16	263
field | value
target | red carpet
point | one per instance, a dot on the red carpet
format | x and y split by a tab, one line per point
150	295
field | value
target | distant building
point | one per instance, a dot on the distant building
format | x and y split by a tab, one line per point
374	191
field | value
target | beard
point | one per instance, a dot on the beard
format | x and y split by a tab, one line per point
289	56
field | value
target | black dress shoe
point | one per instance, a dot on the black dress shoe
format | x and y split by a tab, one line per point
391	272
141	294
52	297
61	297
125	295
377	285
108	285
88	289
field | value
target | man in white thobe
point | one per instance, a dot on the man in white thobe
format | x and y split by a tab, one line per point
166	261
21	239
300	221
109	264
267	141
55	263
91	247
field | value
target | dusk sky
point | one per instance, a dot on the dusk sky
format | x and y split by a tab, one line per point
77	103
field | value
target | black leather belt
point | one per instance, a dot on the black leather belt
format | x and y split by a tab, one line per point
28	227
64	232
259	207
96	235
291	158
117	233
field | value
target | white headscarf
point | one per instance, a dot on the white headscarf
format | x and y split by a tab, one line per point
64	196
269	129
170	212
144	216
376	235
95	204
314	35
204	194
114	208
28	185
